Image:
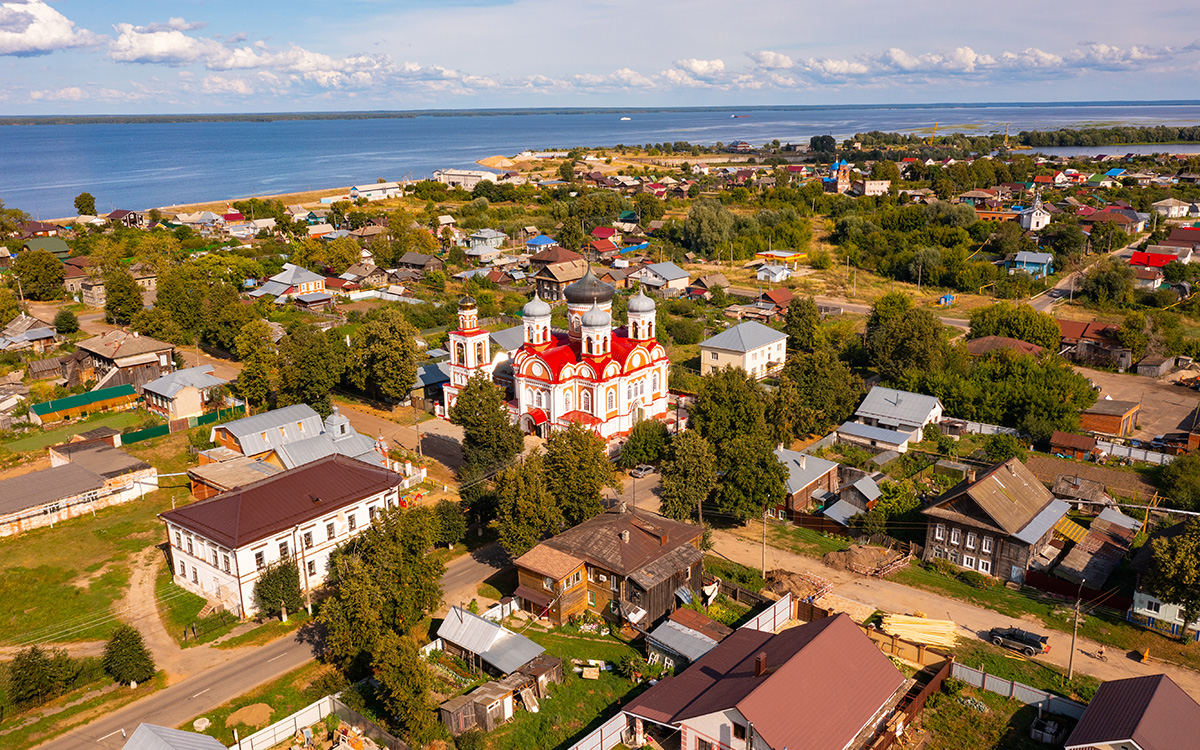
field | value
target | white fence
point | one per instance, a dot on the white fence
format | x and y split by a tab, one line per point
606	737
284	729
983	428
1135	454
1017	691
772	618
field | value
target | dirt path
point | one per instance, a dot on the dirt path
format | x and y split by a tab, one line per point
971	620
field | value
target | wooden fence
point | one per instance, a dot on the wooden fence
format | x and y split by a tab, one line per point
911	706
737	593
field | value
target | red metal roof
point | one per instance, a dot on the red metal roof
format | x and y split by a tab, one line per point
1153	260
262	509
539	416
603	233
1151	710
582	417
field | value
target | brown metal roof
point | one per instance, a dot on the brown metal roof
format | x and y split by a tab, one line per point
824	682
258	510
1151	710
599	542
1008	493
548	562
701	623
117	344
1062	439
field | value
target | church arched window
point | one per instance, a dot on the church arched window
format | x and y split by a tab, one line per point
585	401
460	353
569	401
528	396
612	400
654	386
629	392
479	352
537	397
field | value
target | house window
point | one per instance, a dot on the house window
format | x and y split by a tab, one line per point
971	539
182	570
739	731
283	549
260	560
308	541
939	532
612	400
591	598
591	573
548	583
189	546
178	539
195	575
225	560
987	544
329	531
615	584
1153	606
654	380
214	553
612	606
351	521
985	566
703	744
968	561
955	536
312	567
713	355
371	510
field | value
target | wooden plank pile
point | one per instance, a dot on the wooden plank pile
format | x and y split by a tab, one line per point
921	630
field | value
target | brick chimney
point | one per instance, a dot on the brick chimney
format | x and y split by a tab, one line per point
760	664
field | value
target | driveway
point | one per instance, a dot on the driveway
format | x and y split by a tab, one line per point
1165	407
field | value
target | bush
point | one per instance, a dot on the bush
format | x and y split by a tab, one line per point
66	322
631	664
35	675
279	582
945	567
976	579
471	740
126	658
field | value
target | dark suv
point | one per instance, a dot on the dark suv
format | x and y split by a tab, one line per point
1027	643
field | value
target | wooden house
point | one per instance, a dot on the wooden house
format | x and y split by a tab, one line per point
624	565
1075	446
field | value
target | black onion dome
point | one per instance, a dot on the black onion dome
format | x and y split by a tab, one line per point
468	301
589	289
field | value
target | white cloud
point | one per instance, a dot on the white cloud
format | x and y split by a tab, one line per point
702	69
31	27
771	60
79	94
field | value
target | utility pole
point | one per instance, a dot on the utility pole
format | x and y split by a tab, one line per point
1075	632
764	544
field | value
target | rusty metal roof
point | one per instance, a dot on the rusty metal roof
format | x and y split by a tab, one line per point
599	540
1008	493
259	510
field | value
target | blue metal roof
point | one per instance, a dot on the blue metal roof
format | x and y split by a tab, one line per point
541	240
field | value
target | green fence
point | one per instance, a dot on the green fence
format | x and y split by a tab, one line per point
150	432
221	415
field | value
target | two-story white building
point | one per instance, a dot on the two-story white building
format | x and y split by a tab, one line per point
220	546
751	346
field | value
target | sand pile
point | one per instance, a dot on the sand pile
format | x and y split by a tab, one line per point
255	715
785	581
859	558
497	162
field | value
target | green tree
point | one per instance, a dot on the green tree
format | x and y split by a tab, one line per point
709	225
1175	573
571	235
309	368
647	444
1109	282
126	658
577	471
823	392
1180	481
729	403
156	323
753	478
383	353
228	323
39	275
886	309
180	294
36	674
689	475
85	204
649	208
1017	322
341	254
123	297
800	323
278	585
405	685
490	439
257	353
911	341
9	309
1001	447
452	522
64	321
566	170
1134	334
526	512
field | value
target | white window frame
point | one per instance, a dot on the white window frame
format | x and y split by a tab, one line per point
985	566
939	532
1153	605
986	545
972	539
955	536
968	561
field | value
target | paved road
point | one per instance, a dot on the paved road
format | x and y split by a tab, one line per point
247	669
972	621
855	307
465	574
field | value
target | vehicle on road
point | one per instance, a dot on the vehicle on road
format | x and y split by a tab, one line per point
641	470
1030	644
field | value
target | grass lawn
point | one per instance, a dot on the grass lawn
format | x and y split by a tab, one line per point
38	440
1010	665
87	704
800	540
178	609
569	646
60	583
266	632
572	709
1003	726
284	696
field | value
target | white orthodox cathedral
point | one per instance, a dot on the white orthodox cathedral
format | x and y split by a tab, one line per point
605	379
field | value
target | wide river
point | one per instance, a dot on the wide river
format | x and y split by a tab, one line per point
140	165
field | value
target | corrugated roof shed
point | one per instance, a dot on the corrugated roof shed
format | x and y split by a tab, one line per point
1151	710
258	510
893	408
878	434
682	640
498	646
261	432
153	737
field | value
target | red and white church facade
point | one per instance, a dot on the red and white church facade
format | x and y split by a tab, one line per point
603	378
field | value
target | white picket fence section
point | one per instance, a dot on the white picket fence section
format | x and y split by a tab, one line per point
1135	454
285	728
606	737
772	618
1017	691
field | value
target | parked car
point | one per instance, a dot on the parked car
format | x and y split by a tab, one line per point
1027	643
641	470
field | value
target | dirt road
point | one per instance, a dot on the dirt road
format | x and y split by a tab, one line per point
972	621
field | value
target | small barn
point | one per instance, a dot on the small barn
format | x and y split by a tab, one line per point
83	404
1155	366
1075	446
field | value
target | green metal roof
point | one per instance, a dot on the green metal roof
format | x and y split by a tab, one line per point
83	399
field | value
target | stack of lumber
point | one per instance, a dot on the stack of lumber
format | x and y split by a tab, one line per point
920	630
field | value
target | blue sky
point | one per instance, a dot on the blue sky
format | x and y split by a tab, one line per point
138	56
